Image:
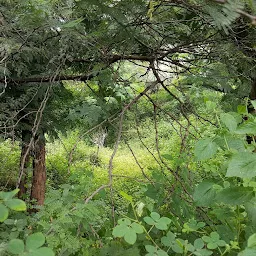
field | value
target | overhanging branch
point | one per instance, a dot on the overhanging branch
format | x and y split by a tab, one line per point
82	77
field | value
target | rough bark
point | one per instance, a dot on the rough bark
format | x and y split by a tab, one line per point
253	90
39	172
24	163
251	110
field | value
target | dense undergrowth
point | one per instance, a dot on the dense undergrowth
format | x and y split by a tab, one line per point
192	194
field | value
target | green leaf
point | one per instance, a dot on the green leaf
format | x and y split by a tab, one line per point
221	243
205	149
9	222
161	253
120	230
3	213
43	251
161	226
235	195
16	204
124	221
203	252
126	196
229	121
149	220
199	243
178	246
212	246
242	165
163	223
248	252
130	236
167	156
165	220
168	239
155	216
236	144
192	226
16	246
215	236
8	195
137	228
35	241
252	241
210	105
241	109
204	193
253	103
247	128
72	23
150	248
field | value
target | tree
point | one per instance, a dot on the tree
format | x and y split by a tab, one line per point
81	40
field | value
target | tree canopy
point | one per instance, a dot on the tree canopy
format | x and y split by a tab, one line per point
172	78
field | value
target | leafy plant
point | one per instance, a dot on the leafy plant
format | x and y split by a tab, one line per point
8	202
32	247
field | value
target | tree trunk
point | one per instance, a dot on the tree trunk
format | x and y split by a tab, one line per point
24	163
251	109
253	90
39	171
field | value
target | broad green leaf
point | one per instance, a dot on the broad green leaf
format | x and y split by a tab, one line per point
212	245
161	253
3	213
35	241
120	230
235	195
8	195
204	193
165	220
205	149
130	236
242	165
155	216
229	121
251	211
43	251
16	204
163	223
241	109
16	246
149	220
236	144
252	241
126	196
150	248
247	128
248	252
254	103
168	239
221	243
178	246
215	236
137	228
124	221
199	243
9	222
203	252
192	226
161	226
